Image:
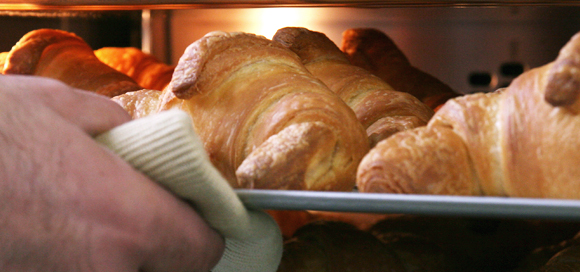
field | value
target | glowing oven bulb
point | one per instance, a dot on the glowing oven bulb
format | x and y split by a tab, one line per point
266	21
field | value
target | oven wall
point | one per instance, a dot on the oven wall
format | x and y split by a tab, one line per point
461	46
98	29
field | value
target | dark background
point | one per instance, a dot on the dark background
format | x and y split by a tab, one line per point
98	29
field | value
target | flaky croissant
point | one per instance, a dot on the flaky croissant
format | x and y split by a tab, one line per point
64	56
373	50
3	57
382	110
144	68
265	121
521	141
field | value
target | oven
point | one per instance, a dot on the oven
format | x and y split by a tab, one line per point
474	46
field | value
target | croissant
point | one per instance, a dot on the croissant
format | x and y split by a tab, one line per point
471	244
564	255
143	102
64	56
375	51
3	56
567	260
382	110
144	68
265	121
520	141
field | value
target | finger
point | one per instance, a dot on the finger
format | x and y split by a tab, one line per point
166	148
171	236
187	244
91	112
161	146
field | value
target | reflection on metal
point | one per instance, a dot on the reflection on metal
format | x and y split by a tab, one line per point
146	31
439	205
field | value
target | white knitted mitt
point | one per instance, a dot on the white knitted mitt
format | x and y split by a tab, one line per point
165	147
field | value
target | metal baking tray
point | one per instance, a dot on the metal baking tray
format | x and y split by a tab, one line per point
469	206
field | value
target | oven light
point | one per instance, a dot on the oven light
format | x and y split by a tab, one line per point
272	19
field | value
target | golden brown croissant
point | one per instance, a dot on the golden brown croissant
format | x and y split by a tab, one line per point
265	121
144	68
142	102
521	141
3	57
375	51
382	110
64	56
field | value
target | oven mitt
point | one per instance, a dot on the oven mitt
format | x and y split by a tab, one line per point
165	147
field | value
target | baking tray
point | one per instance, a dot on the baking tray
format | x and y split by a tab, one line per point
470	206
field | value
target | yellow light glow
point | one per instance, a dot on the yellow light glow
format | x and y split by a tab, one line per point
276	18
269	20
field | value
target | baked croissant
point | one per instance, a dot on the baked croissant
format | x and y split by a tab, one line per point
382	110
567	260
375	51
143	102
521	141
561	256
468	244
3	57
144	68
265	121
64	56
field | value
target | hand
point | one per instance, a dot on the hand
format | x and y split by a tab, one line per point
165	147
68	204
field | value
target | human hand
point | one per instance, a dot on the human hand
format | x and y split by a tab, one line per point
68	204
165	147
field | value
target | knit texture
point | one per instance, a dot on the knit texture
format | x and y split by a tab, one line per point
166	148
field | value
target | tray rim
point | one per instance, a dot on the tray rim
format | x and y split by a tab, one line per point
437	205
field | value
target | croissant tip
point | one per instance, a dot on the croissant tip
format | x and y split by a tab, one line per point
25	54
286	36
563	78
563	85
181	91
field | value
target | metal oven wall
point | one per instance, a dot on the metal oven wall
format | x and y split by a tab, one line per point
464	47
460	46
